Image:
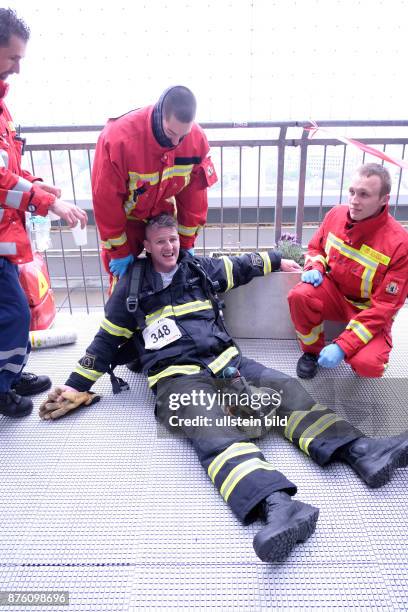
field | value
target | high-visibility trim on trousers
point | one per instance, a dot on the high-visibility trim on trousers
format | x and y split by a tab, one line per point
239	472
235	450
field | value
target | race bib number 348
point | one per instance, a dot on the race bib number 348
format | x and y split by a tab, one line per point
160	333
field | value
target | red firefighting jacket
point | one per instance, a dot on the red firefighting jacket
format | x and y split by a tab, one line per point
18	194
133	177
368	261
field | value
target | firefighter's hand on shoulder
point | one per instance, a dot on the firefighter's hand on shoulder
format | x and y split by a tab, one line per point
64	399
289	265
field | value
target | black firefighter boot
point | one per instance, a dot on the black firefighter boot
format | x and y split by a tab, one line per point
375	459
288	521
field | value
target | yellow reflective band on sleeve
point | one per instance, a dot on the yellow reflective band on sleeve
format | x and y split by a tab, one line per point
228	272
296	417
178	311
171	370
239	472
235	450
312	336
186	230
115	330
360	330
221	361
316	429
90	374
267	263
115	242
172	171
315	258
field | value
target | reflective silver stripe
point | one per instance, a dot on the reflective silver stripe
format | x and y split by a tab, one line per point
13	199
4	159
1	214
12	367
360	330
22	185
17	351
8	248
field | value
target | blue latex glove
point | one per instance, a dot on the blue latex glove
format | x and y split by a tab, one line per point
314	277
118	267
191	251
331	356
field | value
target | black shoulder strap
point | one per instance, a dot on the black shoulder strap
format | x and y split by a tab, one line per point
135	282
210	288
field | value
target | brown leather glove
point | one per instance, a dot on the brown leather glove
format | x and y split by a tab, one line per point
61	401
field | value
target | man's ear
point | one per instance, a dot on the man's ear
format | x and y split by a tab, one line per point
146	244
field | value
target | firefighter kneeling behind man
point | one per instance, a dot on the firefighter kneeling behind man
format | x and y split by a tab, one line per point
175	327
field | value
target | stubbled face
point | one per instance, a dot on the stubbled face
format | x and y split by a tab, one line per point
175	130
364	197
163	244
10	57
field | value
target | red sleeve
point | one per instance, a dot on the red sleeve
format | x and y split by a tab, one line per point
27	175
192	201
20	194
315	258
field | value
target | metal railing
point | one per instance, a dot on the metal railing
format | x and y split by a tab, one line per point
272	178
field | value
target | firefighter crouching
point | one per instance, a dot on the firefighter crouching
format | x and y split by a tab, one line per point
355	272
175	327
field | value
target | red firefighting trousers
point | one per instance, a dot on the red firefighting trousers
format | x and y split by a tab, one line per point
310	306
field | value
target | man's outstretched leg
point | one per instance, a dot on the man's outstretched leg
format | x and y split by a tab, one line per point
247	482
325	436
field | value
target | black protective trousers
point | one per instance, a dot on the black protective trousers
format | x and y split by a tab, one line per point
192	406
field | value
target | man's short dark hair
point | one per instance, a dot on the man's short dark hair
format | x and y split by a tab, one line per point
180	102
11	25
382	173
162	220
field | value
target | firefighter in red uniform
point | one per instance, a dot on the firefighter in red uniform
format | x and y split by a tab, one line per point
151	160
355	272
19	193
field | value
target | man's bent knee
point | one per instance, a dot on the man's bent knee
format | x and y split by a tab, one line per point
372	366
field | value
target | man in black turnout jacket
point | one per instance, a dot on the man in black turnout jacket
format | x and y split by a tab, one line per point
176	329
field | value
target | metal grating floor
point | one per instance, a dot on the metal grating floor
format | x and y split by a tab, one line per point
98	505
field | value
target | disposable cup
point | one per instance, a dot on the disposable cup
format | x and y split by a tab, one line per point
79	234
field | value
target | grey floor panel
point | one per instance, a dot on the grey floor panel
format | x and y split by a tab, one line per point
100	505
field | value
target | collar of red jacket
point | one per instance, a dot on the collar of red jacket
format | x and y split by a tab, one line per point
365	227
152	143
4	87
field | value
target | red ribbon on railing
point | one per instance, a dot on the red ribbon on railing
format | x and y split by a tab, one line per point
356	143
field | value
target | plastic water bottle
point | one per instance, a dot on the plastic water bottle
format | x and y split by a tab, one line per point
45	338
40	232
